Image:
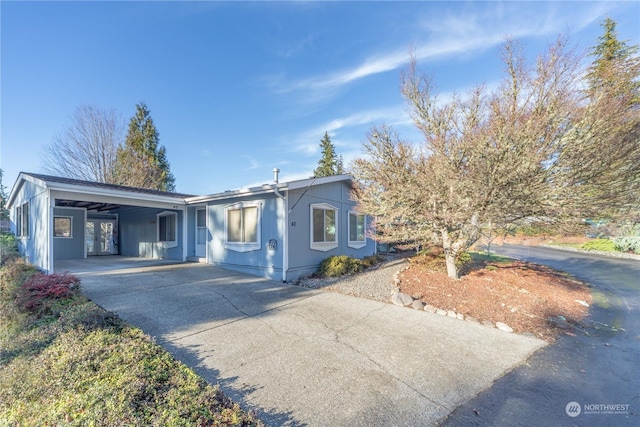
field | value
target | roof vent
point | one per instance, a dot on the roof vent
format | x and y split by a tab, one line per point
276	171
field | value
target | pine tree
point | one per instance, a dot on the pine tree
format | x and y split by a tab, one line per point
328	163
142	162
4	212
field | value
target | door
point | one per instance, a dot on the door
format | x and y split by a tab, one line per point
100	237
201	232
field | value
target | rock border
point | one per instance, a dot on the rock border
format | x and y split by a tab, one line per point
403	300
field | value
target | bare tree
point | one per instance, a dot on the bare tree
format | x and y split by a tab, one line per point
86	148
532	148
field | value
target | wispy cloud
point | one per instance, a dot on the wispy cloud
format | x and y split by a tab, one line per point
454	33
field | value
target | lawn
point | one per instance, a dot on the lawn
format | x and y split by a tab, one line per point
64	360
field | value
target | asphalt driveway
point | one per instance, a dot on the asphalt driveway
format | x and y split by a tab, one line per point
306	357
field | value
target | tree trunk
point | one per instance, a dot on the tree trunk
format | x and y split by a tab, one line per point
449	255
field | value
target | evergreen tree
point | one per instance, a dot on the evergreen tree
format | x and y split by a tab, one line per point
328	163
4	212
615	71
142	162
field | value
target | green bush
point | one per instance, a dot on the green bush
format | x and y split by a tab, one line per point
371	261
339	265
8	247
627	244
605	245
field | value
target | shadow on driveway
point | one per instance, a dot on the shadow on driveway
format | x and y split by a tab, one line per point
305	357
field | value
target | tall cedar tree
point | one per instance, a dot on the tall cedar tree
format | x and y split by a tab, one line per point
329	164
142	162
533	148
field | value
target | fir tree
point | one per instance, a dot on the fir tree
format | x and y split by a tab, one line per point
142	162
328	163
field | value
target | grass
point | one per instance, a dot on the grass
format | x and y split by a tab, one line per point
72	363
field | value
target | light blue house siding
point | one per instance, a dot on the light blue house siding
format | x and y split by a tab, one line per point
138	234
303	259
35	250
264	259
72	246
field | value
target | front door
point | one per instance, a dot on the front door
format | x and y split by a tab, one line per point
201	233
100	237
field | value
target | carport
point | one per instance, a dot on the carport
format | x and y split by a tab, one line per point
59	219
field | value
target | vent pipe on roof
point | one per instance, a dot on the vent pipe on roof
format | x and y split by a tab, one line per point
276	171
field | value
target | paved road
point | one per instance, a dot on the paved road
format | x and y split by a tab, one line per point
598	366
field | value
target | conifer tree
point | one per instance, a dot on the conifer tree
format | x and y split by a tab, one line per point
142	162
328	163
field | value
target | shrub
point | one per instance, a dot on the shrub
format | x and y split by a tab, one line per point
42	292
599	245
8	247
339	265
627	244
371	261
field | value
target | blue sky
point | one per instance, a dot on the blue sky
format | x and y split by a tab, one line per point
238	88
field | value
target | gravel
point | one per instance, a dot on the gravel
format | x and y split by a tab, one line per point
374	283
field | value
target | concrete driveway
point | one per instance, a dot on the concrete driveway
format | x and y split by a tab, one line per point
304	357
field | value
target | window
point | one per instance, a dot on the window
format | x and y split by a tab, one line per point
22	220
62	226
167	228
357	227
243	227
324	231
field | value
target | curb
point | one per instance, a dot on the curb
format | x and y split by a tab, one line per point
584	251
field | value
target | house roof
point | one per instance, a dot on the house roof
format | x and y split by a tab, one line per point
98	188
270	188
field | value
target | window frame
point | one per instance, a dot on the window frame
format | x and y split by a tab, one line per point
323	245
70	218
243	246
22	220
356	244
165	242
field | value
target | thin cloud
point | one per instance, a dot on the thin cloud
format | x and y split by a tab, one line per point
455	34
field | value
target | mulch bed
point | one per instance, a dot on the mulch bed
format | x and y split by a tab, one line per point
530	298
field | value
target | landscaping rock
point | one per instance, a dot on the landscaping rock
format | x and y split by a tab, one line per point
451	313
503	327
417	304
471	319
430	308
460	316
441	312
488	323
398	298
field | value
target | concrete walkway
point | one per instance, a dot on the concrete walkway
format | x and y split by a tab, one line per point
303	357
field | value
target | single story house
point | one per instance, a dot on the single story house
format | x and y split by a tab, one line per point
279	230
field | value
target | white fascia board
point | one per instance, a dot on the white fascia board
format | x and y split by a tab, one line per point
263	189
102	195
17	185
294	185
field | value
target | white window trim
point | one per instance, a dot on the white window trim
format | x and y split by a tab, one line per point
167	243
243	246
356	244
323	246
70	218
20	221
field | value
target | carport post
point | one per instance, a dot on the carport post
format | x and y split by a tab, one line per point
51	203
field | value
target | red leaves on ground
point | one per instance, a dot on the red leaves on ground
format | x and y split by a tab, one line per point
44	287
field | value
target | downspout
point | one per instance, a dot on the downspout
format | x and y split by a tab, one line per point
285	228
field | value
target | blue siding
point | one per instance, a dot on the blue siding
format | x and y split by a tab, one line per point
265	261
34	249
138	234
70	248
302	259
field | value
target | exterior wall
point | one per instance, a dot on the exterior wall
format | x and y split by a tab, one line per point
35	247
302	259
267	261
138	234
70	247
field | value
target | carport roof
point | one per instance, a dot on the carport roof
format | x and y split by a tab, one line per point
77	185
